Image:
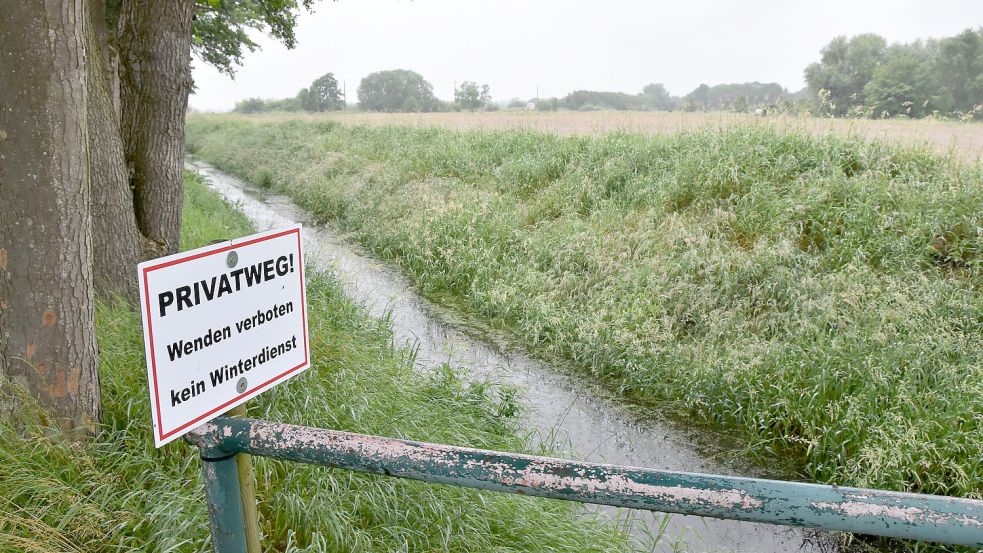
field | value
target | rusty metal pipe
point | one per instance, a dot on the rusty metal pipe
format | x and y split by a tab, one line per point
874	512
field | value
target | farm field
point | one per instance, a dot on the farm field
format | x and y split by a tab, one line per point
821	294
965	139
117	493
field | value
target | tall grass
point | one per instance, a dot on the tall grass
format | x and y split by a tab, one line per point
120	494
822	295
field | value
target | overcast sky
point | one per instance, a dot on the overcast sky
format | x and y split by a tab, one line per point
560	46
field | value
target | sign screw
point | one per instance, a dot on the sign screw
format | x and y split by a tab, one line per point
241	385
232	259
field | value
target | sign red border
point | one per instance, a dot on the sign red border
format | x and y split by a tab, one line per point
150	330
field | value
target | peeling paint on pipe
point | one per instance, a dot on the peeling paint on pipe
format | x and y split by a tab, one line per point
880	513
221	478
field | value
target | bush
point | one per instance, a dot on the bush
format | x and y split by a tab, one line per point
250	105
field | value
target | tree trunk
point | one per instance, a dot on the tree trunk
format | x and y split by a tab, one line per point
155	79
117	245
47	323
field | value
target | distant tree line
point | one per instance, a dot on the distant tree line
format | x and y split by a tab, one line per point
400	90
736	97
396	90
861	76
322	95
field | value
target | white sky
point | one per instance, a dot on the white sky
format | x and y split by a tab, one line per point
561	46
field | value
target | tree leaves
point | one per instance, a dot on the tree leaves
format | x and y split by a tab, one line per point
220	36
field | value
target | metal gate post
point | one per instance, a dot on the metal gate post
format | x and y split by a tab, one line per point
221	478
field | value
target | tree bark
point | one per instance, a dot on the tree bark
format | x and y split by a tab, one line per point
117	244
47	323
155	78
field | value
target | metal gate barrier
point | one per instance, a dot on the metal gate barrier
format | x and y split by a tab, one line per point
862	511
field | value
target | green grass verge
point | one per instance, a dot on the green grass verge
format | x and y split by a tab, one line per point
120	494
821	294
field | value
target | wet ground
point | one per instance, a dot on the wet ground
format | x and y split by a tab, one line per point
562	408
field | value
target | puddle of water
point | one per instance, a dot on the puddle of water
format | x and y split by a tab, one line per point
561	409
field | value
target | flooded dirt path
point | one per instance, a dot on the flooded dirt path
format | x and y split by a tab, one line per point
562	409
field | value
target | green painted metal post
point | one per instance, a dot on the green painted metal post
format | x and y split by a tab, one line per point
875	512
221	477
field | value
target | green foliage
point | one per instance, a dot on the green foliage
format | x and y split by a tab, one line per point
285	104
845	68
323	95
821	295
863	76
698	99
250	105
901	86
740	97
653	97
220	30
396	90
471	96
548	104
656	97
120	494
610	100
303	96
258	105
959	70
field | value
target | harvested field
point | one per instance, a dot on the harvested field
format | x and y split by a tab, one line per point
965	139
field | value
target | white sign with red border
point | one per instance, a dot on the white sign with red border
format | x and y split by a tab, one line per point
222	324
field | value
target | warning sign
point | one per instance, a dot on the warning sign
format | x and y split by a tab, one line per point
221	324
